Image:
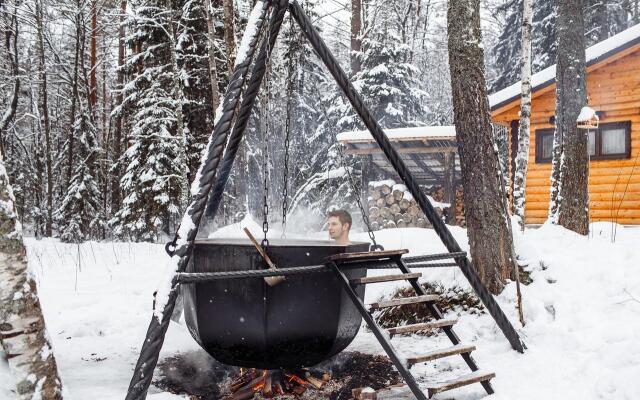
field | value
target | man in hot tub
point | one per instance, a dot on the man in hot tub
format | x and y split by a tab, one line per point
339	222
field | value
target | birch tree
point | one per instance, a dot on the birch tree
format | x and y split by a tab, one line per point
522	159
22	328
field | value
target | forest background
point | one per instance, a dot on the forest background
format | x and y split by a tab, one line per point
107	105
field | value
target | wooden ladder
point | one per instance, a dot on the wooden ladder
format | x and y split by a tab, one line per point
341	262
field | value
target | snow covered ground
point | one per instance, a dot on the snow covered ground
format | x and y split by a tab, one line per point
582	313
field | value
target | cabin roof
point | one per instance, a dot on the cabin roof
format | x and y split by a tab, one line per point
421	132
421	148
609	48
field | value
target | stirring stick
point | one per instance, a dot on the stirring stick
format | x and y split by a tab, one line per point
271	280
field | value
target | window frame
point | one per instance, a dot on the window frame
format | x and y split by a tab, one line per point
626	125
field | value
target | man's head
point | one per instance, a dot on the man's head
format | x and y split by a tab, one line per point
339	222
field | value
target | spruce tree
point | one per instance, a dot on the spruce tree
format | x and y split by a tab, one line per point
152	180
81	216
195	81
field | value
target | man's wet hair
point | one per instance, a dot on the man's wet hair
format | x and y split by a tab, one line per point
343	216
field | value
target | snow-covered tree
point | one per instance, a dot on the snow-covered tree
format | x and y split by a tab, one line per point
602	20
154	171
195	81
81	215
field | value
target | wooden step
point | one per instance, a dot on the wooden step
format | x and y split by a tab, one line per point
367	255
422	327
385	278
434	355
404	301
474	377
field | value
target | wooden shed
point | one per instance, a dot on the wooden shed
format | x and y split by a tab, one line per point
613	88
430	153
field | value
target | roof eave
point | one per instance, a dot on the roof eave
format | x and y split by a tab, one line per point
552	81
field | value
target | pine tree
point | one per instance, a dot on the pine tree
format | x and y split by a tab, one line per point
193	64
81	215
388	81
152	182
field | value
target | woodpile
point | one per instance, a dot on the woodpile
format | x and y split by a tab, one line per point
392	206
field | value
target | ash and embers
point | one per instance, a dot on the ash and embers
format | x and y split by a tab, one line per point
202	378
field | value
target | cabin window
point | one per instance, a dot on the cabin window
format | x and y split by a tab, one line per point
609	142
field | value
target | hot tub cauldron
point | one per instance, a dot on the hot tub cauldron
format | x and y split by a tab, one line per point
244	322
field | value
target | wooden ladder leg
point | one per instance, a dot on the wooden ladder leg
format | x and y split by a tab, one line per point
382	338
437	314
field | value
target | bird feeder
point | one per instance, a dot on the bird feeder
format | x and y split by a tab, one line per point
588	119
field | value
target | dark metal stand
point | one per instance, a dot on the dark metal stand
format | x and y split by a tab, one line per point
379	334
148	359
212	171
394	158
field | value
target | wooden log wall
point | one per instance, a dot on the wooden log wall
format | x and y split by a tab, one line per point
613	87
392	206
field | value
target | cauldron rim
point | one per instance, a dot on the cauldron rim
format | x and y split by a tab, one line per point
276	242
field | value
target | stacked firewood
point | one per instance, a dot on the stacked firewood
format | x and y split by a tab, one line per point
391	205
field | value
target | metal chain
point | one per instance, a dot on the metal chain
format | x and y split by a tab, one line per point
356	190
287	139
265	154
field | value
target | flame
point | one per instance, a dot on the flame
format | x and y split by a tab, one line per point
296	379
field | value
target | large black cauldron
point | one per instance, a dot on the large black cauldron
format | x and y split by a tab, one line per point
244	322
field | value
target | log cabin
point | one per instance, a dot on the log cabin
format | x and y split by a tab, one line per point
613	89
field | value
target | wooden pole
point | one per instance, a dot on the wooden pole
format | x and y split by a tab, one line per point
271	280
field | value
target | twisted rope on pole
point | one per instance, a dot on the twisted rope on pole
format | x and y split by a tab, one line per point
200	277
248	100
399	166
148	358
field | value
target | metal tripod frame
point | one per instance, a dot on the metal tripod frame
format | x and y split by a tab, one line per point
218	161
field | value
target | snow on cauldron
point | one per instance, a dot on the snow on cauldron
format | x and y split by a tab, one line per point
244	322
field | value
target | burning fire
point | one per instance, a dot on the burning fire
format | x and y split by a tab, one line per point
273	383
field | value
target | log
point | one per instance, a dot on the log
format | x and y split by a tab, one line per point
390	199
385	189
381	202
398	194
414	210
374	212
404	204
385	212
395	209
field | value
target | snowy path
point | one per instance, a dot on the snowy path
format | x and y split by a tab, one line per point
583	323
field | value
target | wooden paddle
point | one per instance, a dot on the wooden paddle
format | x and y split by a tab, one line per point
271	280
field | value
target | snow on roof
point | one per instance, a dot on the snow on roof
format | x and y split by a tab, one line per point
434	132
587	114
594	54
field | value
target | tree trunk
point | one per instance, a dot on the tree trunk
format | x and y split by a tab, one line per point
44	114
22	330
571	96
487	223
11	38
522	159
74	99
356	29
213	70
178	95
93	58
229	33
116	196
